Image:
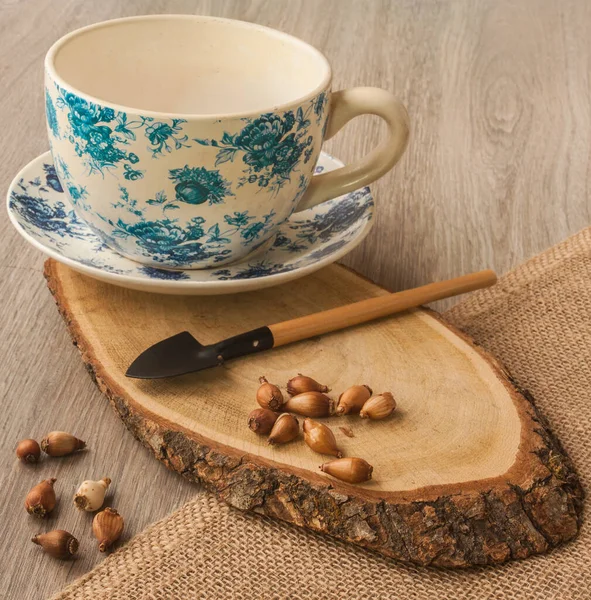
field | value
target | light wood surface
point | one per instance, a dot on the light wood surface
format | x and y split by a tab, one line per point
455	419
499	98
462	439
334	319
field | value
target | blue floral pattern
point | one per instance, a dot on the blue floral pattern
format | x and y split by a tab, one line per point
43	211
155	273
103	265
51	178
326	226
261	268
38	214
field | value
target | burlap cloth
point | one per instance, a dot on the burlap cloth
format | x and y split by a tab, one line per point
537	320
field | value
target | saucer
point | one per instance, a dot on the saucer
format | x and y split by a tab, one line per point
307	241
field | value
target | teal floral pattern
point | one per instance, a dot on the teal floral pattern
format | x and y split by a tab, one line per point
196	185
165	240
78	194
132	174
129	204
51	116
271	146
62	169
40	207
101	135
302	187
319	105
163	135
182	214
160	199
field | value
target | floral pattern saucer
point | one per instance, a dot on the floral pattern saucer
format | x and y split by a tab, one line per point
306	242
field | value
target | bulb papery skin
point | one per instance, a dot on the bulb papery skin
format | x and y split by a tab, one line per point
91	494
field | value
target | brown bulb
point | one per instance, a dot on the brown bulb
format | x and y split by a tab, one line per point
60	443
378	407
309	404
28	451
301	383
320	438
40	500
269	396
107	527
285	430
261	420
353	399
351	470
57	543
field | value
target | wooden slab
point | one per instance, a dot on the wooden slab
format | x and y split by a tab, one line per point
465	472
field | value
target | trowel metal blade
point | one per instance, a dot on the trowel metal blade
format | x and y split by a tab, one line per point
175	355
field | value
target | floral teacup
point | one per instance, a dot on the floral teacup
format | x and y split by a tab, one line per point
219	148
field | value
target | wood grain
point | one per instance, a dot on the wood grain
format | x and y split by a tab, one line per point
455	421
499	97
334	319
464	472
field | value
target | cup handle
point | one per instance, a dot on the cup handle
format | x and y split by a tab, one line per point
344	106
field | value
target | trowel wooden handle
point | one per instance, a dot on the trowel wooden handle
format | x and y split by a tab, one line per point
374	308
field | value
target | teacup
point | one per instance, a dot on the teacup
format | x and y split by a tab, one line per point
185	141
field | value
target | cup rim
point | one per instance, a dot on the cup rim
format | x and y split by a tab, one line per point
54	49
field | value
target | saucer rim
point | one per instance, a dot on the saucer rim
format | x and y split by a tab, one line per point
205	287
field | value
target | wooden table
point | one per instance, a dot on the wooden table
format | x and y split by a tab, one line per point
497	170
